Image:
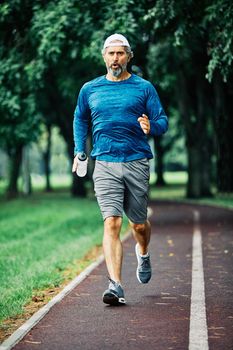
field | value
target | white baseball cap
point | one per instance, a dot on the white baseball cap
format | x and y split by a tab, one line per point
116	40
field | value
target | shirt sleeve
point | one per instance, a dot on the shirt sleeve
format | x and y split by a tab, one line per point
80	123
156	114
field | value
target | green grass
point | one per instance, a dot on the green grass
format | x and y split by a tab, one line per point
172	178
221	200
62	181
168	192
175	189
39	238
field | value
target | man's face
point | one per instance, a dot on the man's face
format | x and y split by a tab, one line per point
116	60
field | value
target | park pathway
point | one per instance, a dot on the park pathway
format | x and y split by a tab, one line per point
187	305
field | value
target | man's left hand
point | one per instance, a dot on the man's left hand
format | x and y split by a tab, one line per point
144	123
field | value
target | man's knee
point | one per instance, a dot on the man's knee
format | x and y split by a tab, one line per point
112	224
139	228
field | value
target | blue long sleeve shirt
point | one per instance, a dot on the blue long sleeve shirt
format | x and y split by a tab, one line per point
114	108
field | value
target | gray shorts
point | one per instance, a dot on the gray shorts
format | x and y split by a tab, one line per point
122	187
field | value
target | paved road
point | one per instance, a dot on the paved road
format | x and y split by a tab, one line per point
157	315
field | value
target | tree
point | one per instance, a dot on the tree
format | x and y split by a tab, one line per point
219	19
49	49
60	31
37	37
19	118
184	27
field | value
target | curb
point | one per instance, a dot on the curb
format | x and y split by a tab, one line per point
20	333
29	324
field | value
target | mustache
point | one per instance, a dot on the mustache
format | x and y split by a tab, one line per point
117	64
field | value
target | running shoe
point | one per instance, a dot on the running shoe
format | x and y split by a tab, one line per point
114	295
144	271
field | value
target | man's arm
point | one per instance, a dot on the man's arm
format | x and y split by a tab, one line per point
157	119
80	125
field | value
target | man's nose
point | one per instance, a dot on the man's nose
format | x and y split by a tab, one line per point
115	57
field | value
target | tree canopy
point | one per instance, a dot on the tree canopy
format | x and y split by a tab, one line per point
48	49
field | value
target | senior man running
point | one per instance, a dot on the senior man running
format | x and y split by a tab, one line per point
124	109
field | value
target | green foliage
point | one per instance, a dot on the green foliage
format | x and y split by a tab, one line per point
219	18
49	29
19	117
49	49
197	25
116	16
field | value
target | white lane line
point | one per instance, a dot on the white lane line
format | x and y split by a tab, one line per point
198	333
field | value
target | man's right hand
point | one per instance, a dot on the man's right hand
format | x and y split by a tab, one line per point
144	123
75	164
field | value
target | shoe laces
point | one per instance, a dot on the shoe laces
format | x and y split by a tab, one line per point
115	284
111	281
145	262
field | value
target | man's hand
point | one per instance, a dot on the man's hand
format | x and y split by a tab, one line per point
144	123
75	164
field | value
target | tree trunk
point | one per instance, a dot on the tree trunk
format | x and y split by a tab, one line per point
203	141
159	168
15	159
194	178
224	127
65	125
185	107
193	110
207	171
46	158
26	176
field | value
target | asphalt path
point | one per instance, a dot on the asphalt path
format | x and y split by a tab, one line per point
188	303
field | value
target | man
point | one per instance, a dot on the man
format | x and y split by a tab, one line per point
123	109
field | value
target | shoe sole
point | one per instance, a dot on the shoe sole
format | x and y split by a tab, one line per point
137	271
112	299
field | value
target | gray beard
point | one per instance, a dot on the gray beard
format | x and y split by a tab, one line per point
117	72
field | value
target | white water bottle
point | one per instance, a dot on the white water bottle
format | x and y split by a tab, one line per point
82	164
